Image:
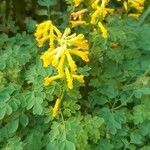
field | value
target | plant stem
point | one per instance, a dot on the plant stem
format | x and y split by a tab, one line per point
144	16
49	12
124	102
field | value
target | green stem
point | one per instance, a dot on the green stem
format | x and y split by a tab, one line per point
49	12
144	16
124	103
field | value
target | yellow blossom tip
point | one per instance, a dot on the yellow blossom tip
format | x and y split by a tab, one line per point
71	62
80	78
49	80
56	107
69	78
103	30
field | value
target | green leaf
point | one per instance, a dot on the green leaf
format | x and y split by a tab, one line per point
68	145
145	148
109	89
12	126
141	112
116	55
104	144
142	91
136	138
113	120
24	120
33	141
64	145
84	70
47	2
30	24
3	59
30	101
138	114
144	128
2	110
9	109
14	143
37	108
92	125
144	33
52	146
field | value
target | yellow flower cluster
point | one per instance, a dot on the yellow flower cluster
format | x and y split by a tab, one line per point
46	31
61	49
99	14
100	10
136	5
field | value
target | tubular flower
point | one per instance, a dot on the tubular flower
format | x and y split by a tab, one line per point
136	16
80	78
56	107
69	78
61	65
48	80
77	18
60	53
103	30
136	5
83	55
77	2
71	62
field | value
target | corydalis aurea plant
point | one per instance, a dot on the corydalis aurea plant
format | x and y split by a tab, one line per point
61	49
98	11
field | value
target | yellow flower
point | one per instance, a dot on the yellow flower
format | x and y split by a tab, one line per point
69	78
60	66
49	80
80	78
56	107
71	62
77	23
136	16
82	54
79	42
103	29
79	14
77	2
94	16
95	3
51	43
77	18
47	57
125	4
